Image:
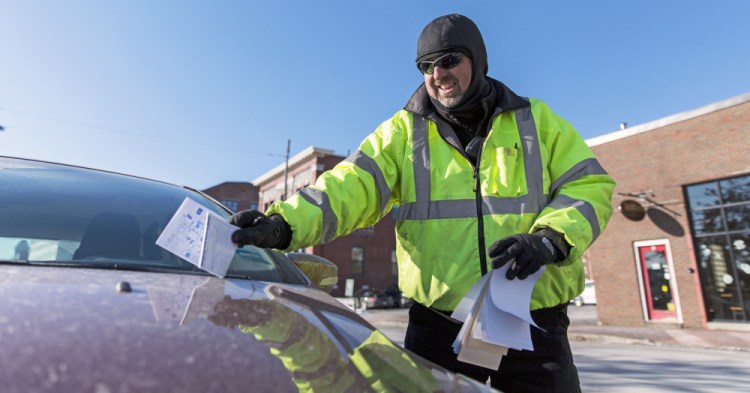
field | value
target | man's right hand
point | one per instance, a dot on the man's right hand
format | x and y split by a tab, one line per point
260	230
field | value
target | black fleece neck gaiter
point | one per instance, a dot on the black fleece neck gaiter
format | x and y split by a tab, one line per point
457	33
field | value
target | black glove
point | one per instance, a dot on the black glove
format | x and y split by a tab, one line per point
530	251
261	230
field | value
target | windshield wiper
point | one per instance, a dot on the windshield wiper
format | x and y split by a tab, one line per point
14	261
109	265
124	265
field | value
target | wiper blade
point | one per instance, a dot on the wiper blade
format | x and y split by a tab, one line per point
110	265
14	261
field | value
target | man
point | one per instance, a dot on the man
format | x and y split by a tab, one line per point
468	163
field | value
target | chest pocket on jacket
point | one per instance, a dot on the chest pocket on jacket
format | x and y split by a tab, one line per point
506	177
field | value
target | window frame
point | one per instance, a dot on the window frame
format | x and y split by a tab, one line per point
360	261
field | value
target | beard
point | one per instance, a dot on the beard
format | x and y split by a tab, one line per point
452	101
447	101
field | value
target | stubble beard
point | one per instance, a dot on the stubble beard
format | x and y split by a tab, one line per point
448	101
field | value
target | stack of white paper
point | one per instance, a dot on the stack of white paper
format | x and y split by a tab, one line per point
200	237
496	317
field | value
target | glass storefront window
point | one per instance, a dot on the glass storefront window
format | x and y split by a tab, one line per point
720	222
707	221
703	195
735	190
718	277
737	217
740	245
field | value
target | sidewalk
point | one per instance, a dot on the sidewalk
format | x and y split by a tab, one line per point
715	339
585	330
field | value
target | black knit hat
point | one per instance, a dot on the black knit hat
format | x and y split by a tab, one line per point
453	33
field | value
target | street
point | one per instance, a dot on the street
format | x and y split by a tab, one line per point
626	368
620	368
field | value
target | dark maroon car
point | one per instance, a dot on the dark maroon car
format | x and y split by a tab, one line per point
91	304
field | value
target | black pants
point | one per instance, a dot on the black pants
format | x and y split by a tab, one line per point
549	368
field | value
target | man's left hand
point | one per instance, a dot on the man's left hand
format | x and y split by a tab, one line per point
529	252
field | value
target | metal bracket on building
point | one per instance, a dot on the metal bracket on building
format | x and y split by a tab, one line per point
645	196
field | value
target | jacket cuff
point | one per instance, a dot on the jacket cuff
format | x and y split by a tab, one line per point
558	240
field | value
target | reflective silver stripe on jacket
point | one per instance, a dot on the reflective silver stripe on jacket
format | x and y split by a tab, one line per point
532	159
368	164
589	166
320	199
562	201
421	157
424	209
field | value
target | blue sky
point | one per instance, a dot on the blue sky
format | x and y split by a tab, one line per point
202	92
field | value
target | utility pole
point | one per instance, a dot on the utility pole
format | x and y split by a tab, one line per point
286	167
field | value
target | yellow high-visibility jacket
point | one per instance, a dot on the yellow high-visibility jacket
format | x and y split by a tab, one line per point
316	364
534	171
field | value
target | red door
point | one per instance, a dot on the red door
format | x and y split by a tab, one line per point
657	282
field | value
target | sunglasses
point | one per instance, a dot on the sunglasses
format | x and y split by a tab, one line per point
447	62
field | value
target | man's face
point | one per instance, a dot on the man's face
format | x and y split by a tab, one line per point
448	86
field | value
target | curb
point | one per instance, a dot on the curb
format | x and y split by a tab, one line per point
615	339
588	332
609	339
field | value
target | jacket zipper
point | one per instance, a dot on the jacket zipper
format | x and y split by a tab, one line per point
477	193
480	217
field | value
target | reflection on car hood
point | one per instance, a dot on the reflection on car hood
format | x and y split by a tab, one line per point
68	329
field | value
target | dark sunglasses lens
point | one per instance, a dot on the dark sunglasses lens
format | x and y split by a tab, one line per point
446	62
426	67
449	61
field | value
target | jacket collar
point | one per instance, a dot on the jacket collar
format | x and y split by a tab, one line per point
507	100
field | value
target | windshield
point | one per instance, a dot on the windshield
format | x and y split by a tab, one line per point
63	215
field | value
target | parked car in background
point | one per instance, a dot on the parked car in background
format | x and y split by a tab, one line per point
588	296
91	304
391	297
397	297
372	298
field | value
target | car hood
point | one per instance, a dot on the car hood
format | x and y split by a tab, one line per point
94	330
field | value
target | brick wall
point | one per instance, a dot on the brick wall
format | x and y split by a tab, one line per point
378	245
245	193
377	242
663	160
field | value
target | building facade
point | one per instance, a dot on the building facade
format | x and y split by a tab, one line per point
366	257
676	250
236	196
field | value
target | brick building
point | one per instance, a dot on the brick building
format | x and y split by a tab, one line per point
367	257
235	195
677	249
